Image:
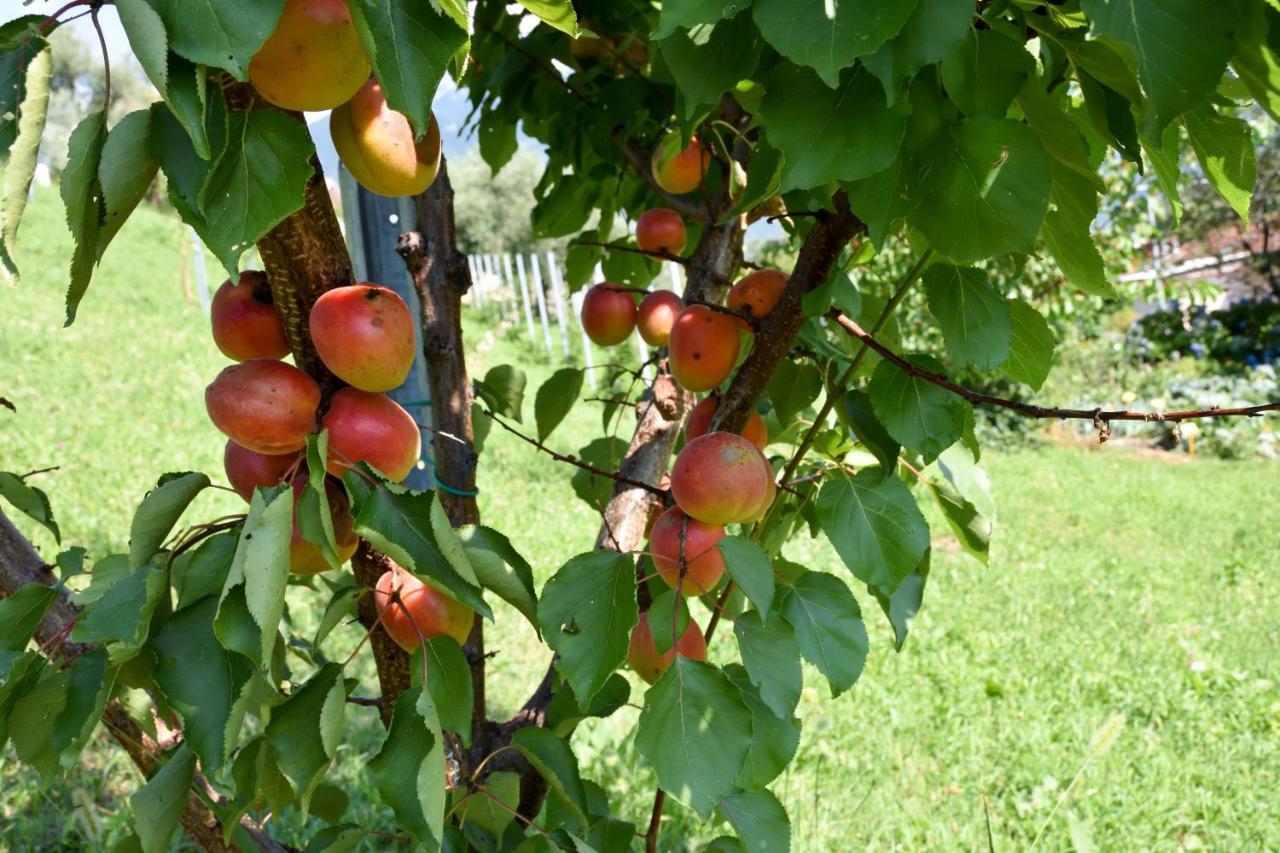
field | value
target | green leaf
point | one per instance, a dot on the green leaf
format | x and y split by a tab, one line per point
883	199
30	501
258	181
312	513
1111	115
828	36
984	72
1180	47
691	701
31	722
82	196
201	681
771	656
686	14
449	684
1224	147
125	172
158	805
759	819
503	390
551	756
121	618
764	177
1165	157
774	739
710	59
918	414
555	399
219	35
201	571
106	572
606	454
855	409
792	388
1046	115
902	605
341	606
963	493
748	565
410	44
145	30
491	811
564	712
1032	346
22	121
252	600
830	134
1066	230
500	568
21	613
496	134
306	729
1256	60
875	526
668	619
973	315
587	612
22	45
409	769
159	512
406	525
927	36
21	674
829	627
985	190
556	13
342	838
87	691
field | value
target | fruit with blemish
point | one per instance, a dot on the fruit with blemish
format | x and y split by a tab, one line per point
642	651
720	478
703	347
364	334
368	427
245	322
263	405
757	294
411	610
378	147
702	562
661	230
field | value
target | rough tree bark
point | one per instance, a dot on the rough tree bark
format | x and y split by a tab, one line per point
20	564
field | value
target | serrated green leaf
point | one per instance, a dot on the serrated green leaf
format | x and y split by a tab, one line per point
883	199
1256	61
792	388
1165	157
201	681
1180	47
918	414
82	196
121	618
499	567
449	684
759	819
20	675
409	769
410	45
974	316
556	13
668	619
21	613
587	611
341	606
496	135
603	453
984	72
312	512
855	410
874	524
985	190
771	656
902	605
503	390
201	571
774	739
252	600
88	687
828	36
555	399
158	805
748	565
1224	147
218	35
1032	346
159	512
337	839
24	107
686	14
551	756
564	712
928	35
709	59
829	627
488	815
306	728
1046	115
30	501
1066	231
691	701
826	134
963	493
32	721
125	172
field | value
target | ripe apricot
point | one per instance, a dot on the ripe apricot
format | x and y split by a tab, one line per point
364	334
642	652
700	420
411	611
656	316
757	294
720	478
313	60
681	173
377	146
247	470
703	347
703	563
263	405
245	322
368	427
660	230
608	314
304	557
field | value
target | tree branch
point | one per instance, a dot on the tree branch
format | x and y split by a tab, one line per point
621	247
1097	415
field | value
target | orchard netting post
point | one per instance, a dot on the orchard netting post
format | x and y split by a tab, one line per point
557	294
524	293
539	291
202	276
373	223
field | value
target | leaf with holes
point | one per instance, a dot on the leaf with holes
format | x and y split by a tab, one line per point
587	611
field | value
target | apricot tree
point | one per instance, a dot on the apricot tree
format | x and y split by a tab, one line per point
966	136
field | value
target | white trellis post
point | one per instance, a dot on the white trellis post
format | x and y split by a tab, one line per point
536	271
524	294
202	280
587	356
477	287
557	295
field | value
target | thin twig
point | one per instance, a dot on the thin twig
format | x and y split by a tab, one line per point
622	247
38	471
365	701
106	60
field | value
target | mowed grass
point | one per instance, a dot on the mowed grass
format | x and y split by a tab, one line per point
1110	681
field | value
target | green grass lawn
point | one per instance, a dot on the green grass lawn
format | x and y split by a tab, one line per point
1110	681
